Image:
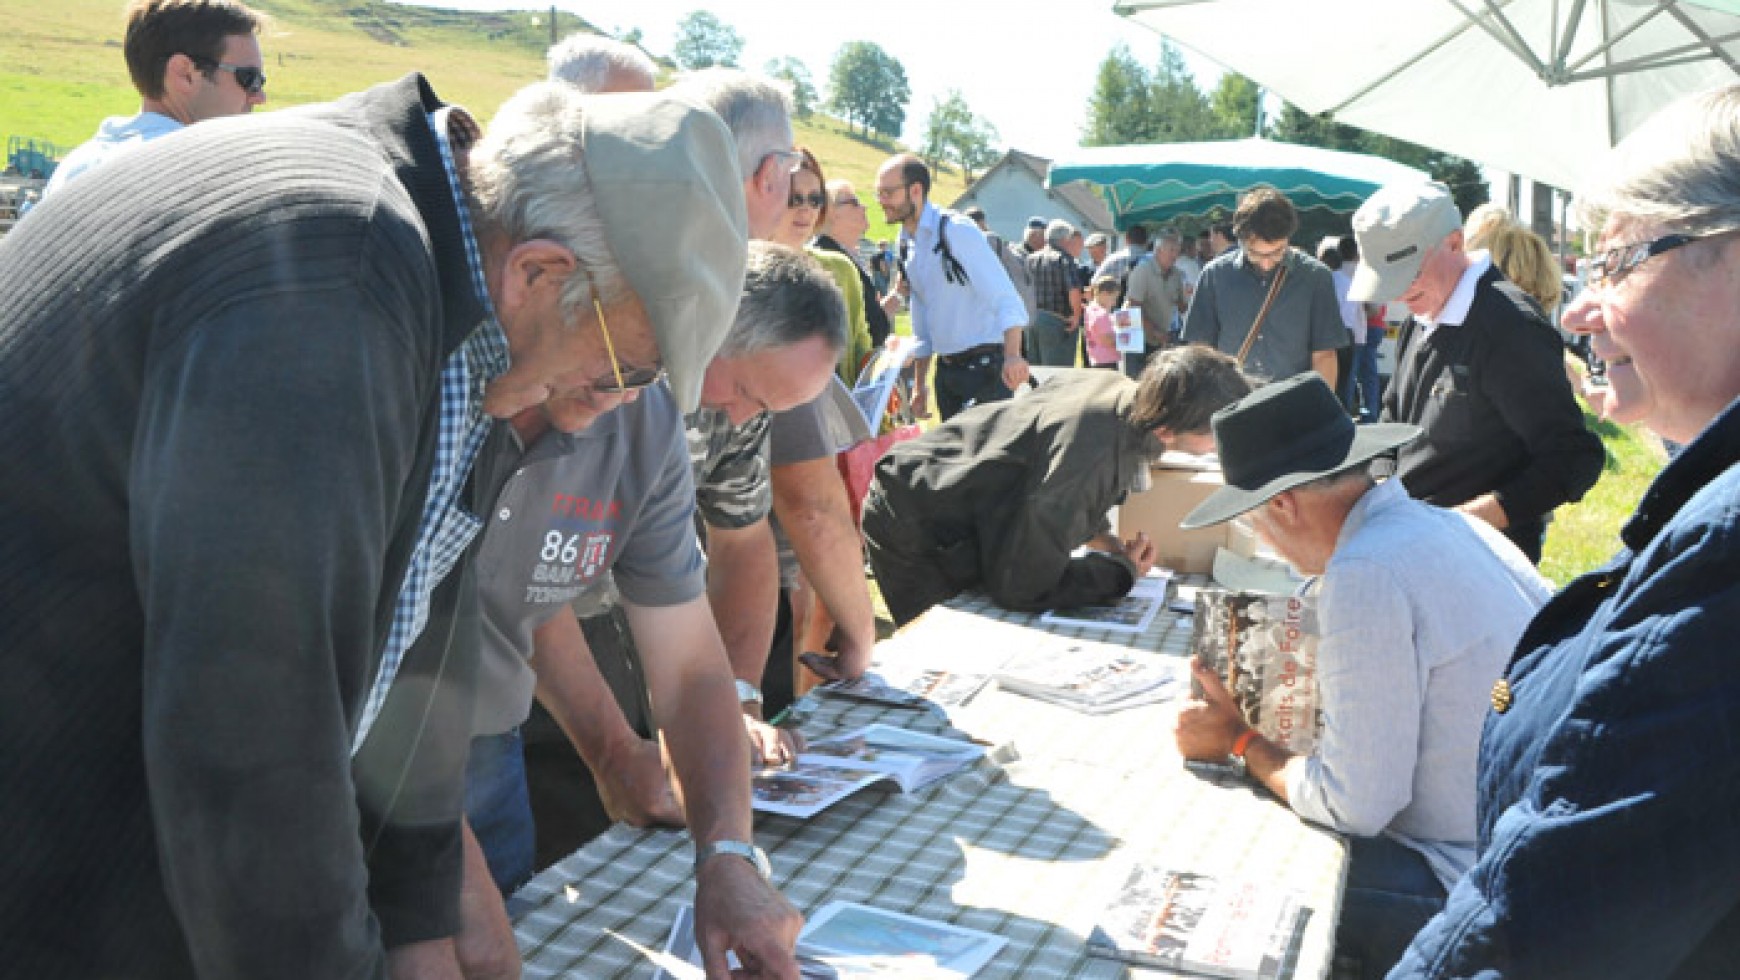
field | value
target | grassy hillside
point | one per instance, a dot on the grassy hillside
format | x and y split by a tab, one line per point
61	70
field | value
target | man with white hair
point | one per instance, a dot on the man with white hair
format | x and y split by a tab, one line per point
294	380
1057	293
1477	367
595	63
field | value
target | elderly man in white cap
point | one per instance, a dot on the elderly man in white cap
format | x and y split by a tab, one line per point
236	565
1477	367
1419	608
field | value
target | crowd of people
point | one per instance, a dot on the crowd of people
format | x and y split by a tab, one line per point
408	500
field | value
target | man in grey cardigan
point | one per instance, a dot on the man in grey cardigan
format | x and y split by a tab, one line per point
243	373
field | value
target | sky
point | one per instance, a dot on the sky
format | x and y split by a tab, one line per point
1026	66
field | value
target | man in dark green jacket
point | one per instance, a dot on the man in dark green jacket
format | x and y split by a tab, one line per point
998	497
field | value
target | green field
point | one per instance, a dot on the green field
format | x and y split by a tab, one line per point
61	69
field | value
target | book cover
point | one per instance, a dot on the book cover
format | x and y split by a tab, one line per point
909	689
859	941
832	769
1195	923
1264	647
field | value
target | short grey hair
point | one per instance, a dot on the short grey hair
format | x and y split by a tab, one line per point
755	109
528	182
1340	479
1169	236
1058	231
1681	168
588	60
788	298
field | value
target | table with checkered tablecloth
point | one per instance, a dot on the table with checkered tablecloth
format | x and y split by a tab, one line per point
1029	844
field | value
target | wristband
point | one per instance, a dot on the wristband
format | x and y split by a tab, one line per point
1242	743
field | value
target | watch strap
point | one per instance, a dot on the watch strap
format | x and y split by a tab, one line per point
747	851
747	693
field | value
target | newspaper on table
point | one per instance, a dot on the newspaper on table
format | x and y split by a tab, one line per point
1089	676
1236	927
1131	613
1264	648
876	382
834	768
909	687
849	941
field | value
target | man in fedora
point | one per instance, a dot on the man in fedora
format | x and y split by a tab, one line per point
1419	608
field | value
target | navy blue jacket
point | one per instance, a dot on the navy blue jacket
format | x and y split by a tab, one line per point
1609	809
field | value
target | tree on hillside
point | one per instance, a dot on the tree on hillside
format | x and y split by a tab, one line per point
1461	175
1130	104
1118	107
703	40
803	90
1180	112
953	134
1234	103
867	87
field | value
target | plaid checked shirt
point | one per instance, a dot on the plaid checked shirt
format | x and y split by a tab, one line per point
1053	278
445	528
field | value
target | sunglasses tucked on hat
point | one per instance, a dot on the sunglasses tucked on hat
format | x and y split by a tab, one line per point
665	182
1395	229
1282	435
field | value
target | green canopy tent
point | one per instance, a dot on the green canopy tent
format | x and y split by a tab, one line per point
1155	183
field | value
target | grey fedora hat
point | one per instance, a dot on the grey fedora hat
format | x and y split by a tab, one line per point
1282	435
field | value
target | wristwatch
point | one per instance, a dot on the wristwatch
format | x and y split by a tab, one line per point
748	852
747	693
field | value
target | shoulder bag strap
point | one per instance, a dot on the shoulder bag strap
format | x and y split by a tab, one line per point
1257	324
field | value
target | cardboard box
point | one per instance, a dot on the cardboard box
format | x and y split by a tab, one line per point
1175	493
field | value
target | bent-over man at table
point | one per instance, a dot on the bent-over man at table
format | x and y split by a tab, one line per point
1419	609
1000	496
588	488
239	625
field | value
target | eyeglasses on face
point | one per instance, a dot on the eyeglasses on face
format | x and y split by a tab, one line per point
848	202
636	379
1611	265
814	199
251	79
885	193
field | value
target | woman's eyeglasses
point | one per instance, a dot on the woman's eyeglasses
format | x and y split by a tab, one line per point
814	199
252	80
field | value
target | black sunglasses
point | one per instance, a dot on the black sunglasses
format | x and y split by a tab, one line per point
814	199
252	80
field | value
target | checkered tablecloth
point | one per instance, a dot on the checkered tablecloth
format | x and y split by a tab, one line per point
1030	844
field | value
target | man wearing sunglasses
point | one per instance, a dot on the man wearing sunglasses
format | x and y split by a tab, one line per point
191	60
1477	367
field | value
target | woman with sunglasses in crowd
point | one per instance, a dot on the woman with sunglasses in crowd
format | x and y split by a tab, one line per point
806	211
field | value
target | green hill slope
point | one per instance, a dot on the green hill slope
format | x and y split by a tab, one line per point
61	70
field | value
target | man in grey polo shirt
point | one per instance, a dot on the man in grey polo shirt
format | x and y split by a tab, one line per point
1302	328
588	488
